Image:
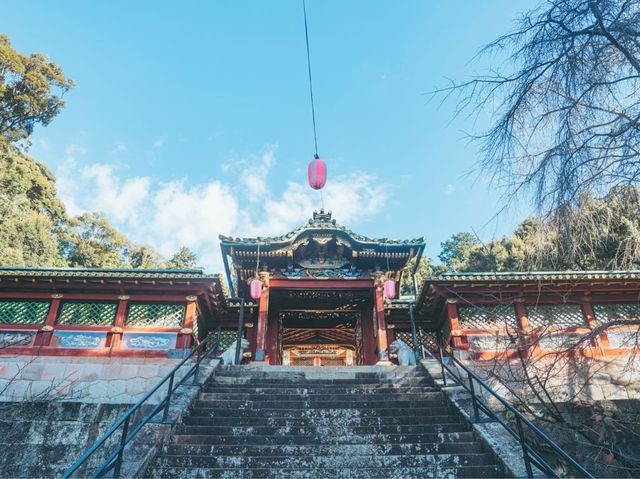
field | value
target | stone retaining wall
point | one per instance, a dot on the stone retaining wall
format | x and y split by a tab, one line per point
52	409
83	379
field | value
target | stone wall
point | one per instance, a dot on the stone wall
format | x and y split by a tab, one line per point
82	379
565	379
595	410
41	439
52	409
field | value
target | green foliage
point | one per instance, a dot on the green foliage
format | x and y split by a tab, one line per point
21	176
31	213
90	241
144	257
455	251
31	89
424	270
35	230
597	233
26	237
183	259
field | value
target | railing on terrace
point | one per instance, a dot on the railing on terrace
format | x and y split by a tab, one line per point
113	462
531	457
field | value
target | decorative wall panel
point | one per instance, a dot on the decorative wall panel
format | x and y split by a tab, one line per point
158	315
135	340
556	316
20	337
79	339
23	312
80	313
606	312
501	316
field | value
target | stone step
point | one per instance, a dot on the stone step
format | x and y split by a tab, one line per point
243	389
207	396
337	413
328	429
440	415
319	374
314	404
317	382
321	371
330	450
425	437
316	461
331	473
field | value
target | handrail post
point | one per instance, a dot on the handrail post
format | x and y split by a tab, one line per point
525	451
414	336
123	442
165	416
197	370
474	400
218	335
442	371
239	332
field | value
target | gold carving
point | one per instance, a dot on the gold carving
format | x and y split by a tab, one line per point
452	300
46	329
116	329
123	297
56	296
186	331
191	298
379	280
264	277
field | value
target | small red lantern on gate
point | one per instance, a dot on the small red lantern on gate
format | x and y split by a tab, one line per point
255	288
389	289
317	173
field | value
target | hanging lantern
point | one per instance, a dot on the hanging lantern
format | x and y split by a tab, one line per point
255	288
389	289
317	173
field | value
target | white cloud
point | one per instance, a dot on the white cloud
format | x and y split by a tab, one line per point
449	189
188	213
119	148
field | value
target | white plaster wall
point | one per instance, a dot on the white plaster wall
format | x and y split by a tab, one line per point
81	379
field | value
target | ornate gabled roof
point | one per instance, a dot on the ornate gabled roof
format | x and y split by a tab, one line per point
321	221
16	271
535	276
520	282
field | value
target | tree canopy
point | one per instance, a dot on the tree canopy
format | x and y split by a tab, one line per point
31	90
35	229
596	233
564	91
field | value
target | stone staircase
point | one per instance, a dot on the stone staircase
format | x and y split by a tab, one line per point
323	422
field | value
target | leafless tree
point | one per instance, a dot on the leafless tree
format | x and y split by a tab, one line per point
547	373
565	101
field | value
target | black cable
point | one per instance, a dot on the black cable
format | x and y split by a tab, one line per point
313	110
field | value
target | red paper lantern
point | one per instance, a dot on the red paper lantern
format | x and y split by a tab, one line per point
255	288
389	289
317	173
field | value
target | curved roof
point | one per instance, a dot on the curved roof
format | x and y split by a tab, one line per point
321	222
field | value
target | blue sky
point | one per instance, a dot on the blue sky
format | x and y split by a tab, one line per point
191	119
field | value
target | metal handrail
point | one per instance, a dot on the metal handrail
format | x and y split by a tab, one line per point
530	455
207	348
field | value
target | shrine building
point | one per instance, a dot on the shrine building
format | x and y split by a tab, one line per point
321	301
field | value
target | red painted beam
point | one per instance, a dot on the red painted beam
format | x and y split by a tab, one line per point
320	284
